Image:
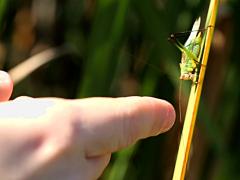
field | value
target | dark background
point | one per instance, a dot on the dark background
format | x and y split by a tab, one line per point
120	48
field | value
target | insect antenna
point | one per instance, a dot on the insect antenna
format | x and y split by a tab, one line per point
180	126
179	101
185	33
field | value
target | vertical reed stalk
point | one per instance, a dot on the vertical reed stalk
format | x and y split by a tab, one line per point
194	98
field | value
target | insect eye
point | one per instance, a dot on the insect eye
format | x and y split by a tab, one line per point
171	37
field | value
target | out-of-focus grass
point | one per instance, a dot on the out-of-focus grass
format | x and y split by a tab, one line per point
103	47
120	47
3	4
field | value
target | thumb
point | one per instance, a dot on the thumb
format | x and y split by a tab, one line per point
6	86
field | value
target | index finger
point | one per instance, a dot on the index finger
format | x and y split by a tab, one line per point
106	125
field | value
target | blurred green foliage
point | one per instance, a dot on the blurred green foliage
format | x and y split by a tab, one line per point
120	48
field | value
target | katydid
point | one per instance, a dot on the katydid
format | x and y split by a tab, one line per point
190	51
190	61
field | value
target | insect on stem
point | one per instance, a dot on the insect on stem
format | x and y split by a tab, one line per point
190	60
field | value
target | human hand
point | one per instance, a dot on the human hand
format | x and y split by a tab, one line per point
52	138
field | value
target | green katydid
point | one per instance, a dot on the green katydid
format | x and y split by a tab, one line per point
190	62
190	52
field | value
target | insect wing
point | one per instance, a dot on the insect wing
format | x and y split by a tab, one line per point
194	32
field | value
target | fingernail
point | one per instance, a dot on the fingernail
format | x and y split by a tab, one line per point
169	116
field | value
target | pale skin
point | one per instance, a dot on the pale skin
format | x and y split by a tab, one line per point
52	138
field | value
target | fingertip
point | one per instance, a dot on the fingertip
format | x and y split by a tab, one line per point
6	86
163	113
119	122
169	116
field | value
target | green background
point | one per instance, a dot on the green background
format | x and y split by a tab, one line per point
119	48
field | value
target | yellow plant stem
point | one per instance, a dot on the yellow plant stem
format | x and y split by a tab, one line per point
194	98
